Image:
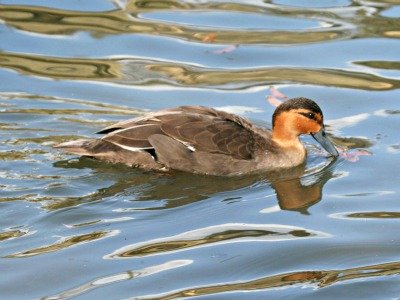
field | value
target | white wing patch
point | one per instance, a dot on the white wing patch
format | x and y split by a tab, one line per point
133	149
190	147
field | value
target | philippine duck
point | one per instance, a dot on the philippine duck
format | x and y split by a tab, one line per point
204	140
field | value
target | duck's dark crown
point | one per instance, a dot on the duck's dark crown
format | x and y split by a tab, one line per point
296	103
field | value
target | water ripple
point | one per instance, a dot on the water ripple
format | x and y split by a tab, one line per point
12	234
115	278
368	215
215	235
303	278
147	72
55	21
64	243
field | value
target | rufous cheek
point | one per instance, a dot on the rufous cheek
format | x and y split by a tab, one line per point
316	128
308	126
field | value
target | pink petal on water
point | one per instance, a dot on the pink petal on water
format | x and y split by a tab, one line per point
277	94
226	49
273	101
354	156
363	152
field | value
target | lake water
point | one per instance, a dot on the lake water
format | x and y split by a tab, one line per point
77	228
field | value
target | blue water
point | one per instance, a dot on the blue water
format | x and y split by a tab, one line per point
76	228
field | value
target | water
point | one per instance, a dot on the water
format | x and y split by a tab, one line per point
78	228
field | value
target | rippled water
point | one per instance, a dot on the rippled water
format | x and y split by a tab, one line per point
78	228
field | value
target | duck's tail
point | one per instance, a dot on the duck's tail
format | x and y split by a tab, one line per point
81	147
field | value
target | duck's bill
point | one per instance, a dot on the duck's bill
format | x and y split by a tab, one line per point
321	138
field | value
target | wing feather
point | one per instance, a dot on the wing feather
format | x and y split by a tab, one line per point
135	137
204	129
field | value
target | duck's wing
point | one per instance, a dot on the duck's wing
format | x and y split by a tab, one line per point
153	118
199	129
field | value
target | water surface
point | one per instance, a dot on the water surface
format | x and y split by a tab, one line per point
77	228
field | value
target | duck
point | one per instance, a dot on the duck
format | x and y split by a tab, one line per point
204	140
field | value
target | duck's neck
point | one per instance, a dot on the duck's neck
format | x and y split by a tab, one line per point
285	134
289	142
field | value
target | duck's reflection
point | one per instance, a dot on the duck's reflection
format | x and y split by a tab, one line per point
295	189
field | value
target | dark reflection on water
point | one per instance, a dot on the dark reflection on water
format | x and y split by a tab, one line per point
293	195
178	188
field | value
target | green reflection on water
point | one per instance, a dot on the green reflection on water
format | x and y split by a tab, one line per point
53	21
166	246
19	155
375	215
64	243
329	77
5	235
386	65
318	278
127	20
145	72
60	68
213	235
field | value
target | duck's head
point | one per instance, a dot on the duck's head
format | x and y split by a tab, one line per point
300	116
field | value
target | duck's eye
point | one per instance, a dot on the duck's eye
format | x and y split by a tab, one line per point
309	115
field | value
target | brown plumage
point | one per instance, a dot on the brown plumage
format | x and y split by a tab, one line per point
207	141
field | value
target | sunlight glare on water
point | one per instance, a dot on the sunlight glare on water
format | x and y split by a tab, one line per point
75	227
